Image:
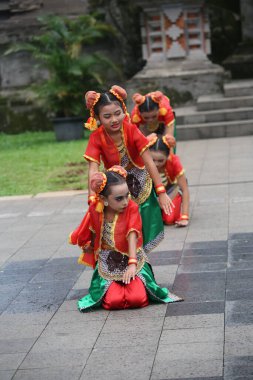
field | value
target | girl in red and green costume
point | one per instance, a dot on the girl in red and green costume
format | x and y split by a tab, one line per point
110	236
153	113
119	142
174	180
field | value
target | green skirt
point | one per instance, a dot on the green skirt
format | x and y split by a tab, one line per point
99	286
152	223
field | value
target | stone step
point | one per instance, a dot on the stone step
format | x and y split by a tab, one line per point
214	130
189	115
238	88
215	102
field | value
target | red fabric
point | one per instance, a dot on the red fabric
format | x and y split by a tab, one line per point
173	168
170	219
164	104
121	296
127	221
101	146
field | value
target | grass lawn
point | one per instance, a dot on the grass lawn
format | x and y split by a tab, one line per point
35	162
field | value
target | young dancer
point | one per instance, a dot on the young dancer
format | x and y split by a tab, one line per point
118	142
111	238
153	113
174	180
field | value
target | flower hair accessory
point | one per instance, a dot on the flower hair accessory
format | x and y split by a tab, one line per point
98	182
91	99
118	169
121	95
138	99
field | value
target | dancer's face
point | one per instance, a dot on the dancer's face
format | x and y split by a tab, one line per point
118	198
111	116
150	117
159	159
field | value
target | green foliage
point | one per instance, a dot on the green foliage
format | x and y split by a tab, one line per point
63	49
33	162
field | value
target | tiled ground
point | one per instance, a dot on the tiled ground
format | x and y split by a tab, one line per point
210	264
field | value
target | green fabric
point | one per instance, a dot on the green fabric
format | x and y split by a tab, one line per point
175	135
97	290
152	223
99	286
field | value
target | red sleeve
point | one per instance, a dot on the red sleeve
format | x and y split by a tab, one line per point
140	141
134	222
177	167
168	117
93	150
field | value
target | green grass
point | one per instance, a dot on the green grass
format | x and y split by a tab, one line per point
35	162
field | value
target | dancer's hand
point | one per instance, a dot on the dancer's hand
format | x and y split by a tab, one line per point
165	203
129	274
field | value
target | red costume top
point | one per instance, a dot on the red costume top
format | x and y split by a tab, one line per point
93	222
173	168
101	145
166	114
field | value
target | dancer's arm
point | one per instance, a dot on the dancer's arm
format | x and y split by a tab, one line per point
131	270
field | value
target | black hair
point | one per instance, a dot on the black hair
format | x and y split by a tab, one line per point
112	179
105	99
160	146
148	105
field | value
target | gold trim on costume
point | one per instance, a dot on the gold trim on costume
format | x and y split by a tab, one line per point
88	158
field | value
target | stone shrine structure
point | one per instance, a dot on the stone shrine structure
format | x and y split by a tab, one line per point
175	44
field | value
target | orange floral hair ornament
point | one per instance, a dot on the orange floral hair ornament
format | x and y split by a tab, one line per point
118	169
121	95
97	184
156	96
138	99
91	99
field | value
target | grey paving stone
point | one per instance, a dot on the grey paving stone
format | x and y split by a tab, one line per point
118	363
128	339
59	373
194	308
20	331
76	294
239	294
239	274
239	319
13	346
239	306
65	357
11	361
195	335
240	264
134	325
7	375
247	249
246	237
193	321
164	369
205	252
238	367
203	260
208	267
207	244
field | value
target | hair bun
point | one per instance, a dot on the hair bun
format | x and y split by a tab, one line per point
138	99
120	91
91	97
156	96
97	182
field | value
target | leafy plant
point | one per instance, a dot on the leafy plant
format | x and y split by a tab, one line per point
64	49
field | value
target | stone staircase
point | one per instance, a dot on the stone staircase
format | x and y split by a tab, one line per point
219	115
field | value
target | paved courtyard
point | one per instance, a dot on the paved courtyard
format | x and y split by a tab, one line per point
210	264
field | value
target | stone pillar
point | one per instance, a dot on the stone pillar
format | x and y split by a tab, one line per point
175	45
